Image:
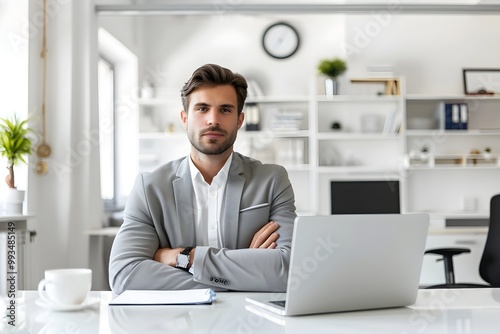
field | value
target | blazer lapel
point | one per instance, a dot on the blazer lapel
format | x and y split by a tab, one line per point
184	194
231	204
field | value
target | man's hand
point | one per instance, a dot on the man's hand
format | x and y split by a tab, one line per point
265	237
168	256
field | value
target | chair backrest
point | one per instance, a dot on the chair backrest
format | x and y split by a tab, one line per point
489	268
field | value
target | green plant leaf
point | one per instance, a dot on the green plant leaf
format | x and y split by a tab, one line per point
15	143
332	67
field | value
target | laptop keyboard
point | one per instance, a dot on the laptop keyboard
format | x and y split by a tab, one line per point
278	302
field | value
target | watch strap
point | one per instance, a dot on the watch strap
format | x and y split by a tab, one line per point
186	250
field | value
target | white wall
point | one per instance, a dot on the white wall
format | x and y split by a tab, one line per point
178	45
13	58
14	72
429	50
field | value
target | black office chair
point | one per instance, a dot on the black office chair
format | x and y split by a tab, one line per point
489	267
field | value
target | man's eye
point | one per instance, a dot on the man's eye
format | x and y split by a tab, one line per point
226	110
202	109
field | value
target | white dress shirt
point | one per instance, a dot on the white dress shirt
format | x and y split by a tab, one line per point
208	204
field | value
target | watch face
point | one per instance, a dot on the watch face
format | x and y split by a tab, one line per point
280	40
182	261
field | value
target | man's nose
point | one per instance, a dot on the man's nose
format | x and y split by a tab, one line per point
213	118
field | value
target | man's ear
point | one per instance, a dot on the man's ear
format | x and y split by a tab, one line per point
183	115
241	118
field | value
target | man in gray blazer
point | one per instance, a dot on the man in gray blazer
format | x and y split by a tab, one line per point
213	219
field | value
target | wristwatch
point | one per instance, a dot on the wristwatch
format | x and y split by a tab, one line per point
183	258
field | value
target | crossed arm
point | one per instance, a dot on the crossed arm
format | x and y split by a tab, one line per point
265	238
142	256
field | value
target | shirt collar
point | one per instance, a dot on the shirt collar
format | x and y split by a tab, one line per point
224	170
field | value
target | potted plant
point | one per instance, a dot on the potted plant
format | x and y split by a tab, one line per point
332	68
15	145
487	153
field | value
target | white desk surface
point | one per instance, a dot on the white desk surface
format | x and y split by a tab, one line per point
111	231
436	311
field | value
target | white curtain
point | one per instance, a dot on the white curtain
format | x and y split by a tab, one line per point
66	201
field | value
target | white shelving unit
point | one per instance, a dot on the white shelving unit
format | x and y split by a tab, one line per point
456	169
274	143
448	182
363	148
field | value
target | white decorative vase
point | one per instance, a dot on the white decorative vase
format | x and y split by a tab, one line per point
13	201
331	86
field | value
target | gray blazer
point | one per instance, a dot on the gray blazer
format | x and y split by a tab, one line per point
159	213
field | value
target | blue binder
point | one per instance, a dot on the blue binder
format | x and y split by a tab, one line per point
453	116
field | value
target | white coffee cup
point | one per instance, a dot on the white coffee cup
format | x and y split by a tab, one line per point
65	287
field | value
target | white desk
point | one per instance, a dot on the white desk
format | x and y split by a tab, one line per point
436	311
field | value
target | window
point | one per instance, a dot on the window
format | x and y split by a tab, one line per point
118	119
105	82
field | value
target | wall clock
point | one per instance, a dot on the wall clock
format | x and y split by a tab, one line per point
280	40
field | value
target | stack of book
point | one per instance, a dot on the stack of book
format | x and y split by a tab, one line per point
288	121
392	122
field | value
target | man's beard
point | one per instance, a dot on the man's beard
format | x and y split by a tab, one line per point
211	149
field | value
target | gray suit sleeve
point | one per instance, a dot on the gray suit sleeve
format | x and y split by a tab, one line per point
131	264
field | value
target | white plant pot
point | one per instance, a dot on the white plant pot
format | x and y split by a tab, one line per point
331	86
13	201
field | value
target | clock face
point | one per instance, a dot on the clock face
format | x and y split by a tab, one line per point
280	40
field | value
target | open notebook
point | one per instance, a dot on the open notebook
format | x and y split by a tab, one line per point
171	297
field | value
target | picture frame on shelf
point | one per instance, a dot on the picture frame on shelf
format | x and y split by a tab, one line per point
481	81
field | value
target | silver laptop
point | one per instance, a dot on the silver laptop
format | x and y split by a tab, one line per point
352	262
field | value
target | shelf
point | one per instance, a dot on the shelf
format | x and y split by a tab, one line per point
357	136
274	133
461	214
277	99
358	98
455	161
427	97
358	170
434	132
457	230
448	167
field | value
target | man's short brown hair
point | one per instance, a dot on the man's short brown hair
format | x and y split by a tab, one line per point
215	75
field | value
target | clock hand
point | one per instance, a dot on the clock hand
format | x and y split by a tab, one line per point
280	40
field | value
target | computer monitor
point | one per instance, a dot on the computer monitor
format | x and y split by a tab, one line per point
365	197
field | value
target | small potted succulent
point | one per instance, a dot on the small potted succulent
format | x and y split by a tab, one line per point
15	146
487	153
332	68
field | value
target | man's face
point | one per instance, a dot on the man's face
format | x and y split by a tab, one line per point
212	120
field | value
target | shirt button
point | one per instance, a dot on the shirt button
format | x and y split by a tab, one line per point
212	227
212	194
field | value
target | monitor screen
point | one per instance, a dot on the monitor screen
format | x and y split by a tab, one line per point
365	197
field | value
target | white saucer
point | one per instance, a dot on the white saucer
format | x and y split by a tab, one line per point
90	301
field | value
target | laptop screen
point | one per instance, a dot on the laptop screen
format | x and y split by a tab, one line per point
365	197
